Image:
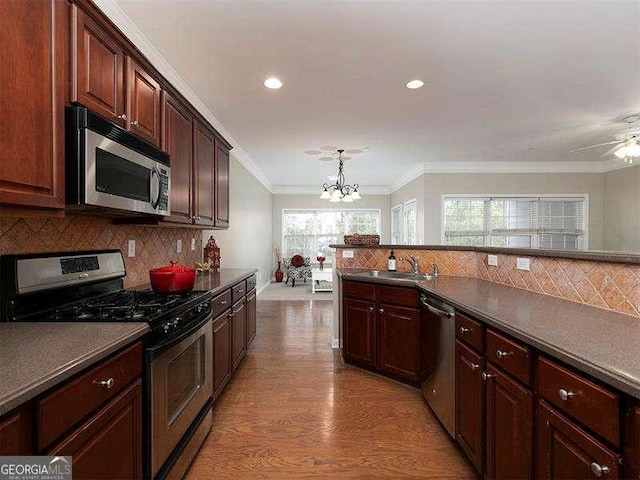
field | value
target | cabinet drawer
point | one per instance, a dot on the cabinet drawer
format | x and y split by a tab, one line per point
251	283
470	332
66	406
402	296
238	291
596	407
221	302
512	357
361	290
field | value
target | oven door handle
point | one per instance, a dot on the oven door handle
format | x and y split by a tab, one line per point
158	349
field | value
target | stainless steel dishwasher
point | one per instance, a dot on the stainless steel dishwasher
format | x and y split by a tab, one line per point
439	387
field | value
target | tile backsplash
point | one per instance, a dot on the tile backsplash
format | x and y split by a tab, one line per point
614	286
154	246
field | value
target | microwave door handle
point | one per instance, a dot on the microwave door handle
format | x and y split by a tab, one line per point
154	187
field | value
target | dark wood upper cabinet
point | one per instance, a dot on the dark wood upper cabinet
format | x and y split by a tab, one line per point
222	185
98	69
143	103
35	39
566	451
470	398
509	424
204	170
177	141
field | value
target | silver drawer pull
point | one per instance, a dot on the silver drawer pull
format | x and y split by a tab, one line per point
599	470
241	290
464	330
565	394
371	309
381	310
123	116
474	366
222	302
135	123
501	354
485	375
106	383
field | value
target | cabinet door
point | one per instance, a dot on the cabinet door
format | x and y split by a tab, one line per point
399	341
470	415
565	451
177	141
222	185
632	442
221	353
251	316
143	103
204	166
358	330
238	333
109	444
98	58
509	428
16	431
34	39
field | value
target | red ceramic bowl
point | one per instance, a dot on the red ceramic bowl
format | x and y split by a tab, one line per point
172	279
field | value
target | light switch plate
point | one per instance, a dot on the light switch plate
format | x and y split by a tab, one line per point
347	254
131	245
193	244
492	260
179	246
523	264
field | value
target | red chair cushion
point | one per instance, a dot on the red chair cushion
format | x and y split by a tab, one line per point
297	261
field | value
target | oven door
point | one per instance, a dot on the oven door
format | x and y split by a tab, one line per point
119	177
181	384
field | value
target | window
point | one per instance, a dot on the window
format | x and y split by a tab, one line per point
309	232
404	219
518	222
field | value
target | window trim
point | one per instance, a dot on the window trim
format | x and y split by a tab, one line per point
583	196
402	207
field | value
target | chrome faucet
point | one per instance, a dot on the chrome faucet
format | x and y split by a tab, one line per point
435	269
414	264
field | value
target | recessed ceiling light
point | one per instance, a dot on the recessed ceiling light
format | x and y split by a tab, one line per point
273	83
413	84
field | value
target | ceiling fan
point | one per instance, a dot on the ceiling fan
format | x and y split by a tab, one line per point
625	146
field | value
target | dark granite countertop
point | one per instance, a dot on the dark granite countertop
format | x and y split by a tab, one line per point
36	356
599	342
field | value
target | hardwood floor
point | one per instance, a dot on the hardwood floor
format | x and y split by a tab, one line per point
293	410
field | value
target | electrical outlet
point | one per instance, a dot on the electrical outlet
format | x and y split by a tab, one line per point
193	244
347	254
131	245
179	246
492	260
523	264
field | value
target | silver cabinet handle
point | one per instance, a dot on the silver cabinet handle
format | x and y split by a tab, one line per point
106	383
501	354
123	116
135	123
464	330
371	309
474	366
222	302
599	470
565	394
241	290
486	375
381	310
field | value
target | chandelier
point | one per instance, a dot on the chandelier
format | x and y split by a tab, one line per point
340	191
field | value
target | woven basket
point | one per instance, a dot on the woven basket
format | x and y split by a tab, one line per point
357	239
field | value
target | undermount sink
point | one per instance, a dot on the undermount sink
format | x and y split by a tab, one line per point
396	275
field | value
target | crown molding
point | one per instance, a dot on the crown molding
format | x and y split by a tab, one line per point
121	20
317	190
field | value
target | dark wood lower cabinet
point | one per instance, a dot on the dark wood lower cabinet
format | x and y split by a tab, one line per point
509	425
16	431
359	331
470	413
251	316
632	441
238	333
221	352
566	451
109	444
399	341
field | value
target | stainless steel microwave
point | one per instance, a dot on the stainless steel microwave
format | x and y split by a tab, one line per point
110	168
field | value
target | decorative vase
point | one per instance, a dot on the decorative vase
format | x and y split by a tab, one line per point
279	275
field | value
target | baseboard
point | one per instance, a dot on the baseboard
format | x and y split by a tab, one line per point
335	343
262	288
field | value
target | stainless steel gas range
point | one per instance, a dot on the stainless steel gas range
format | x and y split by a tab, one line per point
88	287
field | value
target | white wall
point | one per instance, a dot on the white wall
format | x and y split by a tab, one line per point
247	241
622	210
